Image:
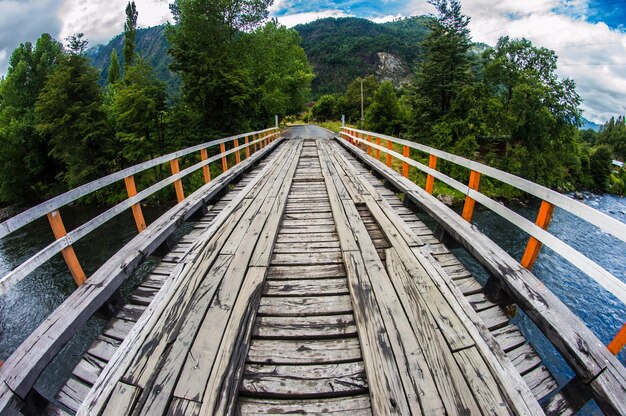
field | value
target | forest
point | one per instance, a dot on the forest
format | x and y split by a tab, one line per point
504	106
229	68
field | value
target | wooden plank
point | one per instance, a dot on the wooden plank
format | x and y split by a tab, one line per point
103	348
540	382
304	351
494	318
308	238
306	287
309	258
482	384
72	394
306	247
214	237
88	369
125	397
118	328
305	305
321	271
184	407
328	326
354	406
297	381
509	337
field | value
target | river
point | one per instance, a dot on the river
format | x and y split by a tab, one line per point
27	304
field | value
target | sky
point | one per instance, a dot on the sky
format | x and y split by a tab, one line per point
589	36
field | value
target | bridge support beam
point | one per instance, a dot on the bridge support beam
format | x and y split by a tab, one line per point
430	180
468	208
406	152
247	148
224	161
237	153
131	190
532	248
178	185
206	170
389	147
69	255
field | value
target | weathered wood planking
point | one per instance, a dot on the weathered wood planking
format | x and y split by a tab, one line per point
214	237
354	406
589	358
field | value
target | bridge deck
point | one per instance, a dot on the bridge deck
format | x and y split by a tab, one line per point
309	291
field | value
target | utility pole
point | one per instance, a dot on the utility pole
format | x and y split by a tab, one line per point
362	113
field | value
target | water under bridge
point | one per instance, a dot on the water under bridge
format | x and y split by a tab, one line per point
305	282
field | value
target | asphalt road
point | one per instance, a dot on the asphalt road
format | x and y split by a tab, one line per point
308	132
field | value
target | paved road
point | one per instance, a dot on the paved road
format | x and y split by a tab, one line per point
308	132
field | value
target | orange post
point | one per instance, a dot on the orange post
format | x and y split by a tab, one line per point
224	161
178	185
131	190
369	148
68	253
532	248
405	166
254	137
205	169
378	150
468	208
618	342
247	148
237	154
430	180
390	147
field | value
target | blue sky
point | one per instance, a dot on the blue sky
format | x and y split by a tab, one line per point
588	35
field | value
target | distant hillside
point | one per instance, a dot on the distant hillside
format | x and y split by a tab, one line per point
341	49
590	125
151	45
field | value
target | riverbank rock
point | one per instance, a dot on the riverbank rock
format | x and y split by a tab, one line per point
579	196
446	199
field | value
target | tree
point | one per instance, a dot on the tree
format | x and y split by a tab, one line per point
351	100
137	106
325	108
280	70
130	33
613	133
26	168
445	68
206	50
69	110
114	68
383	115
600	164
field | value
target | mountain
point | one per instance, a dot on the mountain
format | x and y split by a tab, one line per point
151	46
338	49
341	49
590	125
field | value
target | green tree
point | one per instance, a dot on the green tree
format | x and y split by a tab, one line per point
26	169
138	106
351	100
613	133
325	108
114	68
445	67
600	164
130	33
69	110
383	115
206	50
280	70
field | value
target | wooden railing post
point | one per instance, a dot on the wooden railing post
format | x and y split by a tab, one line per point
206	170
378	150
237	154
533	246
369	148
430	179
389	147
224	161
618	342
247	147
178	185
468	208
131	190
68	253
405	166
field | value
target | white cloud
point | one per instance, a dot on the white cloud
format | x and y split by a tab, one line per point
385	19
292	20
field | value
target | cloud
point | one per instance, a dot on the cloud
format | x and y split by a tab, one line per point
100	20
24	21
291	20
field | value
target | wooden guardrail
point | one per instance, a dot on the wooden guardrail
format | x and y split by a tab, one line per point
64	240
594	364
23	367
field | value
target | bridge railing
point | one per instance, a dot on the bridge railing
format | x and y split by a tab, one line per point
64	240
538	231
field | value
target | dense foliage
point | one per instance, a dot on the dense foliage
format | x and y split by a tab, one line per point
60	127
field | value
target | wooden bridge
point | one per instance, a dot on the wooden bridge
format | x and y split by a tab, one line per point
306	283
